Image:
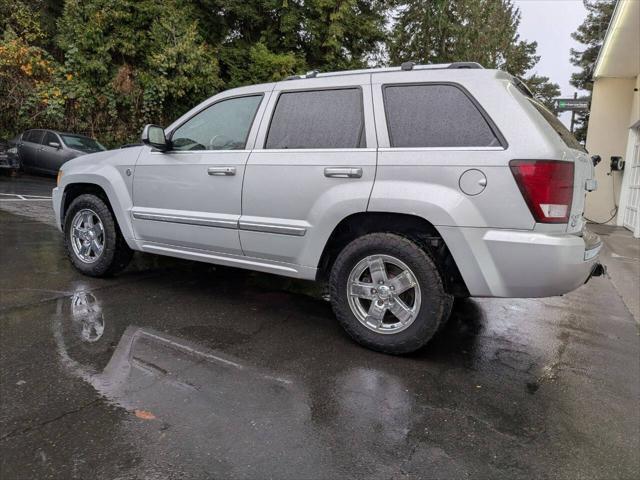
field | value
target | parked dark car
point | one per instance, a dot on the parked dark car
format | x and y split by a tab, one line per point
45	151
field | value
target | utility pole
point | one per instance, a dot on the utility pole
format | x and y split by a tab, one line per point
573	113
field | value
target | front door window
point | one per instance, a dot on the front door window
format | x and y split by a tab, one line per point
222	126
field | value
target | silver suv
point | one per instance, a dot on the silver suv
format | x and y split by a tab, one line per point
403	188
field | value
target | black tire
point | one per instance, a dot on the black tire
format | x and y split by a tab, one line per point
435	302
115	255
448	309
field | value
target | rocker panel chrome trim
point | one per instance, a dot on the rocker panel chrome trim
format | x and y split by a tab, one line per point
265	228
186	220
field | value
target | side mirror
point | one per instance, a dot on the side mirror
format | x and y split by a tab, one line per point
596	159
153	135
54	145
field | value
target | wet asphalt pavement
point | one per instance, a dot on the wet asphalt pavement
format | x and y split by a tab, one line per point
181	370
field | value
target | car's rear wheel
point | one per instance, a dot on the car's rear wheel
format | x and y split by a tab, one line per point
387	293
92	238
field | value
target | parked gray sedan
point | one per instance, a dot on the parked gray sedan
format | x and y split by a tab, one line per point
45	151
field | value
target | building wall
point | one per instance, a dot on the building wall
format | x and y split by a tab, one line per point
607	135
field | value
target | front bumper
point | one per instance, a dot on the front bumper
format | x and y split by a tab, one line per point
9	162
508	263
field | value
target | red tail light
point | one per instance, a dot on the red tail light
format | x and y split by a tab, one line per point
547	187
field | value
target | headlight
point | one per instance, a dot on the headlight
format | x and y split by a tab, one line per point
59	177
13	150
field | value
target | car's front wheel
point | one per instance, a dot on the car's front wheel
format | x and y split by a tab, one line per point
92	238
387	293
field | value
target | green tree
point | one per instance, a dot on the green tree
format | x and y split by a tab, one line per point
591	34
483	31
545	90
132	62
290	36
442	31
29	94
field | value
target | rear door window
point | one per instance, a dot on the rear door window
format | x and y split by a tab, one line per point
317	119
435	116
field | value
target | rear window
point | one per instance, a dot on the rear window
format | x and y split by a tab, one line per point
317	119
435	115
567	137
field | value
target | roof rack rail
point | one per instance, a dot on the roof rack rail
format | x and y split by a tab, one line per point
310	74
465	65
406	66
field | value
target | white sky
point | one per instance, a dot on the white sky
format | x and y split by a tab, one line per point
550	23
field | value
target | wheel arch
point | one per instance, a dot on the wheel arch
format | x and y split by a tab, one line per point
414	227
73	190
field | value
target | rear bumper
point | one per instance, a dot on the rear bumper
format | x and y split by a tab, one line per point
508	263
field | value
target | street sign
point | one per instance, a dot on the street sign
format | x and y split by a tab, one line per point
572	104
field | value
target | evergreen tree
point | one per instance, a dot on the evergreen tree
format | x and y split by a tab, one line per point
442	31
290	36
483	31
544	90
591	34
130	62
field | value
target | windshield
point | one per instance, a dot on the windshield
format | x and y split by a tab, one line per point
84	144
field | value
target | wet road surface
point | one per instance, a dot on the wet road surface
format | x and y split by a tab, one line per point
177	369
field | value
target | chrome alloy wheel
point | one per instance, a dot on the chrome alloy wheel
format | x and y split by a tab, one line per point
383	294
87	236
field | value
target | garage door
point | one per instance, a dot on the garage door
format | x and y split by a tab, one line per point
631	218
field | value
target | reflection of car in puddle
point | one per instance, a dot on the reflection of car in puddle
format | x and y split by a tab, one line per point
87	315
213	408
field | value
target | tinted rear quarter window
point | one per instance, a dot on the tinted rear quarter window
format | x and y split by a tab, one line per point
435	115
317	119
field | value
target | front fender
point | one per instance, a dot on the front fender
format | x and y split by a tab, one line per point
109	173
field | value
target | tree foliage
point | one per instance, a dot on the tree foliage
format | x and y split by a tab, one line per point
441	31
544	89
131	62
27	71
106	67
591	34
483	31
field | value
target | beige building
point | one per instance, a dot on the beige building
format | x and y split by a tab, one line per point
614	125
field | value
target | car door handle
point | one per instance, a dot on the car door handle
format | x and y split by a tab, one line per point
339	172
222	171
